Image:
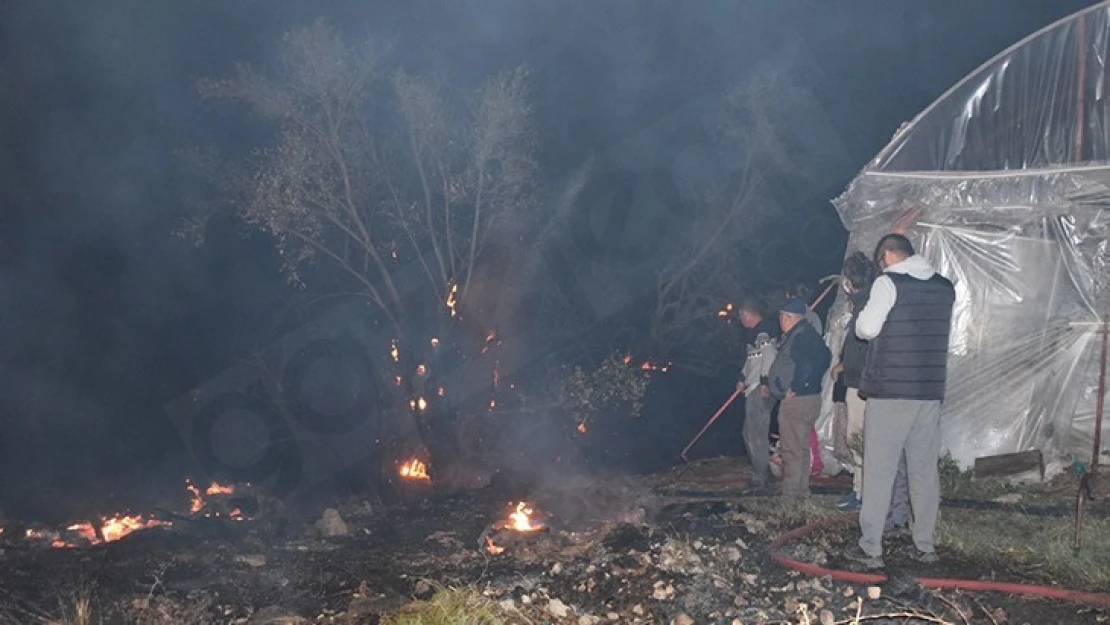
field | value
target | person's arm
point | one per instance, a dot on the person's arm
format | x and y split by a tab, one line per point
871	319
803	353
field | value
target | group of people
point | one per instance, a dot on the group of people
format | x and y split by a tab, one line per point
887	389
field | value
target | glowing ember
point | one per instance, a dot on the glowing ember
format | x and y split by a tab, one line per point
394	352
440	391
414	469
725	312
451	301
397	380
421	370
520	520
492	403
651	366
421	403
581	427
493	548
435	342
217	489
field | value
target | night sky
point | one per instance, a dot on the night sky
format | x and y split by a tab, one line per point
105	315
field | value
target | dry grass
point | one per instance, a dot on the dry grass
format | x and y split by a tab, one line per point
77	611
781	512
453	606
1035	546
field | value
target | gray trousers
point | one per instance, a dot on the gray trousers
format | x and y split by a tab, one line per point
757	431
893	427
899	514
796	418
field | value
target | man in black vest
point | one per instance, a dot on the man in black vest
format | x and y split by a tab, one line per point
907	320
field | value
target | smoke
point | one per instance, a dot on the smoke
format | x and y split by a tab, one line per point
105	315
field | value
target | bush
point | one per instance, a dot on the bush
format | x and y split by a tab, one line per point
614	387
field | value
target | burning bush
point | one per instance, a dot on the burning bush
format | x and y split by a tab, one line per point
617	386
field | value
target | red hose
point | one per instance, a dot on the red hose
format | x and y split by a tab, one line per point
1046	592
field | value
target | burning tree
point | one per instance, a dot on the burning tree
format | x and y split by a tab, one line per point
705	266
372	169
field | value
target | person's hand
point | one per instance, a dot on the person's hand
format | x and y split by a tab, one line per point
837	369
740	386
764	390
789	393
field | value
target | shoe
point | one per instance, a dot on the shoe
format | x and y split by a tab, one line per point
927	557
857	555
850	504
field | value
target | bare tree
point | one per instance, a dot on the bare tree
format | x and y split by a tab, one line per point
372	167
704	267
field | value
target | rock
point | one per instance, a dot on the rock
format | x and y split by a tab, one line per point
613	616
849	591
423	590
826	617
638	610
731	553
331	524
874	592
682	619
791	604
558	568
557	608
254	560
507	605
588	619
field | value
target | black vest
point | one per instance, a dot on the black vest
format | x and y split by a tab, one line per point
909	358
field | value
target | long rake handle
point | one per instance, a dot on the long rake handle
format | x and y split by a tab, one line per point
720	411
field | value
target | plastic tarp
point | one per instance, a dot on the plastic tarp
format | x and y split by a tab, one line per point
1004	184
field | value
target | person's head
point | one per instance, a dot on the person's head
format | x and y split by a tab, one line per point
858	273
799	290
791	312
892	249
751	312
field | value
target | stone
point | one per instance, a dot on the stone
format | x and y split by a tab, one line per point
588	619
682	619
874	592
638	610
331	524
557	608
558	568
423	590
253	560
613	616
826	617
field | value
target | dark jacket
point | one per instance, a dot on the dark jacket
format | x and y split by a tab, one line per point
802	362
854	353
909	357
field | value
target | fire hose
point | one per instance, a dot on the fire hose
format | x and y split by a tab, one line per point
973	585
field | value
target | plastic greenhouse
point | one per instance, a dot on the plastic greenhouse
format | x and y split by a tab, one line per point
1004	184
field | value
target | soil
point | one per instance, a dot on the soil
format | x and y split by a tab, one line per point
610	550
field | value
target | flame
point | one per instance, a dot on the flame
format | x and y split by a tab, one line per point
414	469
421	369
581	427
651	366
421	403
726	311
196	501
451	301
397	380
492	547
393	254
440	391
217	489
520	520
394	352
492	403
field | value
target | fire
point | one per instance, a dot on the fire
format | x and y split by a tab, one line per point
451	301
440	391
421	369
394	352
414	469
115	528
397	380
492	547
520	520
217	489
419	403
725	312
581	427
651	366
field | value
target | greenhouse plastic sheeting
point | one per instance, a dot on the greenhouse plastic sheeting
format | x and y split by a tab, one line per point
1004	185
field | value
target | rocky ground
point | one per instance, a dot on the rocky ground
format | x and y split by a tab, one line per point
606	550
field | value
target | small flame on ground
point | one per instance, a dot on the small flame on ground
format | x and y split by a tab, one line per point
414	469
726	311
440	391
397	380
218	489
581	427
492	547
651	366
394	352
520	520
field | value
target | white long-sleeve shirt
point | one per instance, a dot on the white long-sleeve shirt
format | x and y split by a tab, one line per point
883	295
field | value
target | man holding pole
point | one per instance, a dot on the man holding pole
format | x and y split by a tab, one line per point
762	335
